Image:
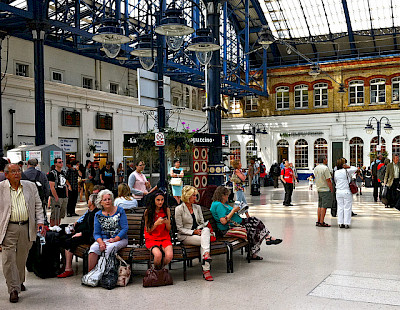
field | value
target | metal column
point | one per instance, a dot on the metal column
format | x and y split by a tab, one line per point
214	88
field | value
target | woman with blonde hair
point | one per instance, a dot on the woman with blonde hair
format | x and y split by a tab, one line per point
238	187
192	230
125	199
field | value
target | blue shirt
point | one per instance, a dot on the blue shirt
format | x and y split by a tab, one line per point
220	210
106	227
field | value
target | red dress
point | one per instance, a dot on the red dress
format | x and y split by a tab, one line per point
159	236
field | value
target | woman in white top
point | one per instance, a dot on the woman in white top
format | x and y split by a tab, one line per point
125	199
344	196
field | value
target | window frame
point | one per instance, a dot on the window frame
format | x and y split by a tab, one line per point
253	106
87	78
303	89
280	94
234	148
321	89
250	145
320	149
301	154
117	88
380	85
356	145
396	81
19	63
353	88
56	71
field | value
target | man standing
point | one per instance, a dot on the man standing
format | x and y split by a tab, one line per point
21	215
375	182
59	192
107	176
42	183
324	186
287	179
275	172
72	178
89	175
96	174
392	177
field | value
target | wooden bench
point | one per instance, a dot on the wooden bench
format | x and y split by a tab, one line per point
136	252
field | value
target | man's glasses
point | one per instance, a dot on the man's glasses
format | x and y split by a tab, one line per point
14	171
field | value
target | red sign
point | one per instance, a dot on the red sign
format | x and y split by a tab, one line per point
159	138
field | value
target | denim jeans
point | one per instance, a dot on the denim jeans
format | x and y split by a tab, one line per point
241	197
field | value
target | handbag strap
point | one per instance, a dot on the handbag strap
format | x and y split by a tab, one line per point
121	259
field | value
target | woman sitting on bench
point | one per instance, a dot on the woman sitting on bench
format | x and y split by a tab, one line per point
226	218
110	228
191	227
83	234
157	219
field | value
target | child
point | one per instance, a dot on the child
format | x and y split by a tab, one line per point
310	182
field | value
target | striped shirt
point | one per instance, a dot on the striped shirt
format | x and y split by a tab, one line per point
19	211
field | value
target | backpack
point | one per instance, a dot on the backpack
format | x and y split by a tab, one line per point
375	169
277	170
39	186
381	173
262	168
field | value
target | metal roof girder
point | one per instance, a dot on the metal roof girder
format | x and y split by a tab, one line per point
353	46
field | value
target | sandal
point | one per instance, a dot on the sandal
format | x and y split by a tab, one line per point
256	258
324	225
317	223
207	276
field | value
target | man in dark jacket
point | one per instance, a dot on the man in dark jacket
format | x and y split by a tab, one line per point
83	234
275	172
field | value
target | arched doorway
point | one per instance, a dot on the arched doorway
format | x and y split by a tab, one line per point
283	150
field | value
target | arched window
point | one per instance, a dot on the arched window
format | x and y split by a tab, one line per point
396	145
234	151
320	149
320	95
396	90
356	92
374	143
301	96
378	92
356	152
301	154
282	98
282	142
251	150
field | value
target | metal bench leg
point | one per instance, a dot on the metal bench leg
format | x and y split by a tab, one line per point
248	253
85	263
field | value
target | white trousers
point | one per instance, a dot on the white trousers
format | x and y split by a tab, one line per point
344	207
118	245
203	241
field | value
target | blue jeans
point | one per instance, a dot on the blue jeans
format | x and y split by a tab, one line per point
241	197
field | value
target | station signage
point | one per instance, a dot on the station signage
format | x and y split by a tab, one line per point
104	121
70	118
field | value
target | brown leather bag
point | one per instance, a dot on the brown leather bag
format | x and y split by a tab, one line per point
157	277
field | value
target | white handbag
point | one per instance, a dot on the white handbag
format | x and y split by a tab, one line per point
176	182
93	277
124	272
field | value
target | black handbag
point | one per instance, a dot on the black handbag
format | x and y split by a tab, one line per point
110	276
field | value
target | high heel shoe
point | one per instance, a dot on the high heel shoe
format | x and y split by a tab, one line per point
207	276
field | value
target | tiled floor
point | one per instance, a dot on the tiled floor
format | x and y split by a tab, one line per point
314	267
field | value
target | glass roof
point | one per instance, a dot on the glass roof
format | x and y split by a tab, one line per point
304	18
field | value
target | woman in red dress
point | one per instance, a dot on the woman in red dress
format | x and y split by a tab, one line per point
157	226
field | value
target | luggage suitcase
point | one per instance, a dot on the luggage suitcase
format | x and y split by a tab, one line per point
44	260
255	190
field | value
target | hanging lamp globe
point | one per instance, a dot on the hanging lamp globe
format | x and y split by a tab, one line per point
203	42
266	37
173	24
314	70
145	47
111	33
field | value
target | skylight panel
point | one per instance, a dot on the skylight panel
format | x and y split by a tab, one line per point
396	12
381	13
336	17
359	14
294	18
315	15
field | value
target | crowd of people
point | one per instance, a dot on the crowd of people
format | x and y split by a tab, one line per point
27	194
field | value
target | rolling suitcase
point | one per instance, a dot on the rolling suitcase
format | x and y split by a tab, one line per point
255	189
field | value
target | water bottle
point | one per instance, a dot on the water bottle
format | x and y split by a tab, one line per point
42	239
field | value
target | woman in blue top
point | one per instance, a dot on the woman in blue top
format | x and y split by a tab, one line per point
226	218
110	228
177	172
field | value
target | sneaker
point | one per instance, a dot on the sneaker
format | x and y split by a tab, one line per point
66	273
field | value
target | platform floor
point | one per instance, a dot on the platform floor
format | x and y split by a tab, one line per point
314	267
